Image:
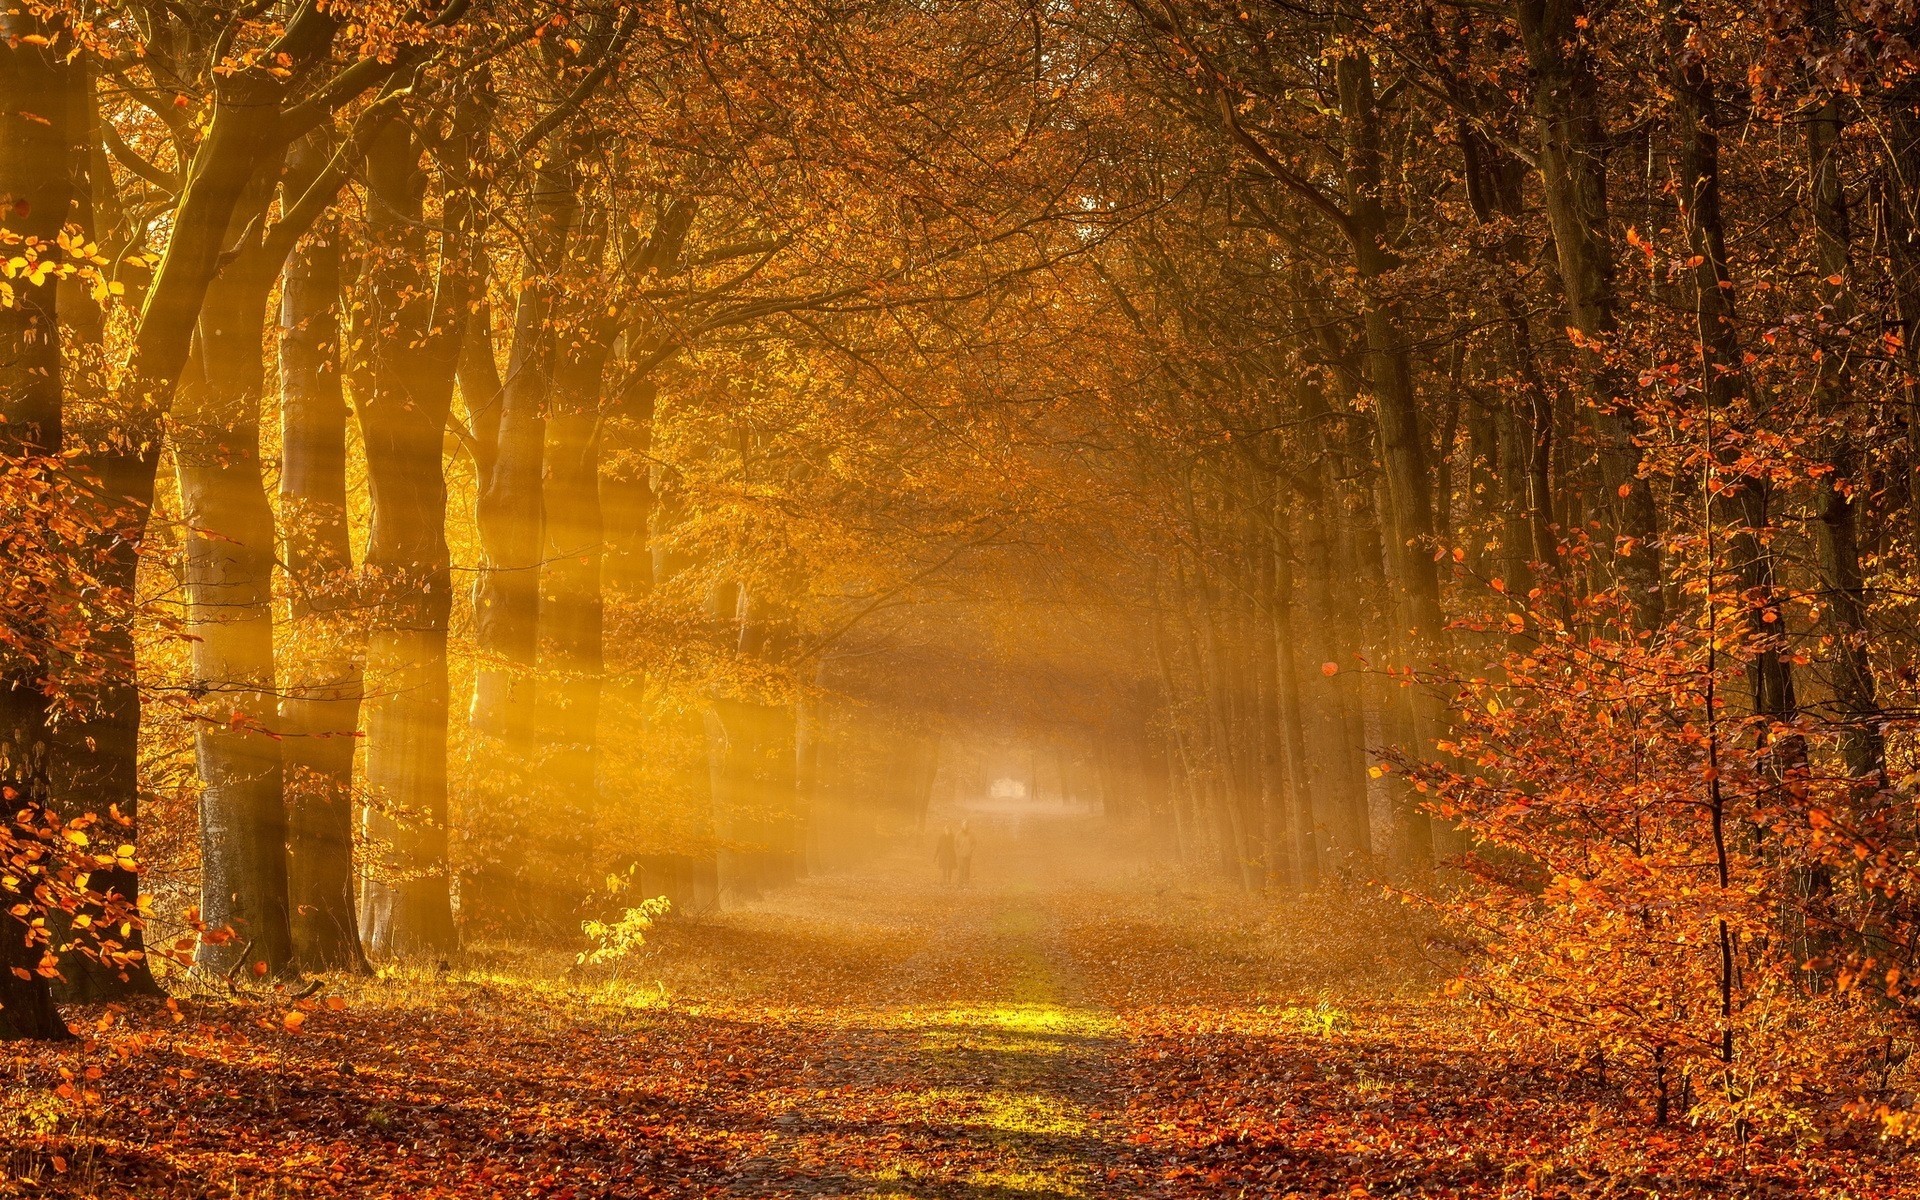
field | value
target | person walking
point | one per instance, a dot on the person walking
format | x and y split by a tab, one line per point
963	853
944	856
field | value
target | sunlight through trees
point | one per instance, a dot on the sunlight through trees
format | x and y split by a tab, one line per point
489	482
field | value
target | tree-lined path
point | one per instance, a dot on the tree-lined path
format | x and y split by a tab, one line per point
1409	508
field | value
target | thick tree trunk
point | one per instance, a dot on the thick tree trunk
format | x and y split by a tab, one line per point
571	606
36	170
1418	629
243	132
229	590
1900	187
1573	177
1513	435
28	854
1837	534
1408	523
509	513
320	708
94	771
410	333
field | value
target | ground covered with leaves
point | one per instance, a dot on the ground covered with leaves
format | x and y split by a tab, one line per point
1051	1032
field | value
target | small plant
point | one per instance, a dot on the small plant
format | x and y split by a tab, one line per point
1322	1020
37	1113
613	941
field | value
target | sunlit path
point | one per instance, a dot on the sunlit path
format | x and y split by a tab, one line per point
1078	1023
974	1065
1006	1095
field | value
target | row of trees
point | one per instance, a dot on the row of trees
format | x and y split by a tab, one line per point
311	305
1519	422
1465	445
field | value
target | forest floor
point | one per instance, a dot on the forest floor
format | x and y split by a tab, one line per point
1052	1031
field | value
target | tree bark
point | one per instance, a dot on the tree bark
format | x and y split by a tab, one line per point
94	771
1277	797
1334	771
1417	628
1723	383
509	514
36	188
1837	534
1573	178
229	591
410	330
751	758
571	576
242	132
320	709
1408	526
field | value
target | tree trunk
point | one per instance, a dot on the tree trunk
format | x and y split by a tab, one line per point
242	132
1408	524
320	709
1277	797
36	168
94	771
229	591
1334	770
1227	806
1770	678
1837	534
402	390
571	604
751	757
1573	178
1901	208
1407	517
509	513
1299	819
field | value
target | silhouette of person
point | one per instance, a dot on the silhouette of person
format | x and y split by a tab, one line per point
943	855
963	853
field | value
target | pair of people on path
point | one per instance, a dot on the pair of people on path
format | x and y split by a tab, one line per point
954	855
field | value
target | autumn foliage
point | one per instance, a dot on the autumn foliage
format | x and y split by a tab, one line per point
481	479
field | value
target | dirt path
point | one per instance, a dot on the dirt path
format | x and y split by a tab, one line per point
1003	1087
1062	1030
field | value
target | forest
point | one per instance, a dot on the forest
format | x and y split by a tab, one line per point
981	599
